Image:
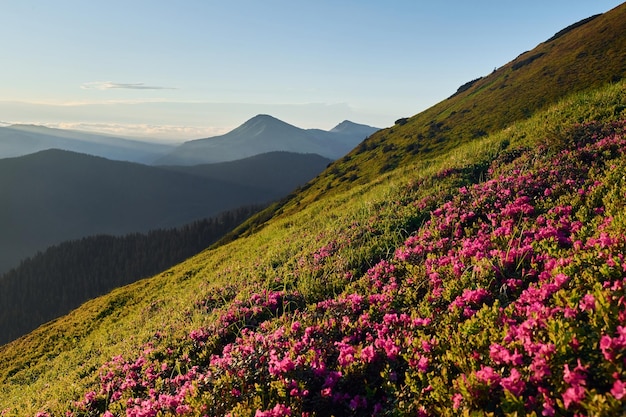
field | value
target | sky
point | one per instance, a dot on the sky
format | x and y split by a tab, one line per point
188	69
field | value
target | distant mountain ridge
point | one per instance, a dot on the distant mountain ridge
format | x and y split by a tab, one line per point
278	172
52	196
19	140
263	134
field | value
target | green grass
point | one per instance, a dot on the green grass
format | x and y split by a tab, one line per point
59	361
338	226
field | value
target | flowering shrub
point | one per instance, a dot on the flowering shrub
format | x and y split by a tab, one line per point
510	298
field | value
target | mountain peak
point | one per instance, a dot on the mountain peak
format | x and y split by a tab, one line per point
348	127
345	125
263	116
264	133
264	119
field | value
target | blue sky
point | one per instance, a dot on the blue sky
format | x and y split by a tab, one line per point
186	69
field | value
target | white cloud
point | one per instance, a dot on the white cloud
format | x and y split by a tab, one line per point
109	85
163	133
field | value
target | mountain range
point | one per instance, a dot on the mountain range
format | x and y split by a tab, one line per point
264	133
469	260
261	134
20	140
53	195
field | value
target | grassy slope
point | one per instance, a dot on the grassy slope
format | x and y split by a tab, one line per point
579	60
58	363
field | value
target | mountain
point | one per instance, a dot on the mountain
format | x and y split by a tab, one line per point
20	140
52	196
586	55
467	261
263	134
342	138
277	172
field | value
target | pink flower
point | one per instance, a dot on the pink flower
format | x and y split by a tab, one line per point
540	368
573	395
487	375
548	408
346	354
90	397
279	410
619	389
277	367
588	303
326	392
575	377
389	347
295	326
422	364
606	346
499	354
457	399
368	354
513	383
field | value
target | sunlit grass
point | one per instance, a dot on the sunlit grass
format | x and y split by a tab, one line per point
357	222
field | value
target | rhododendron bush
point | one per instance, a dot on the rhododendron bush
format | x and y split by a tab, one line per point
509	298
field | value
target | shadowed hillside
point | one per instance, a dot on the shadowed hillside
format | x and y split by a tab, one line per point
61	278
278	172
55	195
468	261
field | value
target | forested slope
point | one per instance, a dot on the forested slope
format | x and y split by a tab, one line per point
59	279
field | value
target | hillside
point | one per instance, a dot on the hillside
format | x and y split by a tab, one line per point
581	58
472	267
278	172
20	140
263	134
52	283
42	208
52	196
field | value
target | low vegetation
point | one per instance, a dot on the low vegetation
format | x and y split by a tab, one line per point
481	274
490	280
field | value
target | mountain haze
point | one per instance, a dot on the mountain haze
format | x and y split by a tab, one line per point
470	260
263	134
20	140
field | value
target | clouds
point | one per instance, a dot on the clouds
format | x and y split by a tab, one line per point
109	85
153	132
